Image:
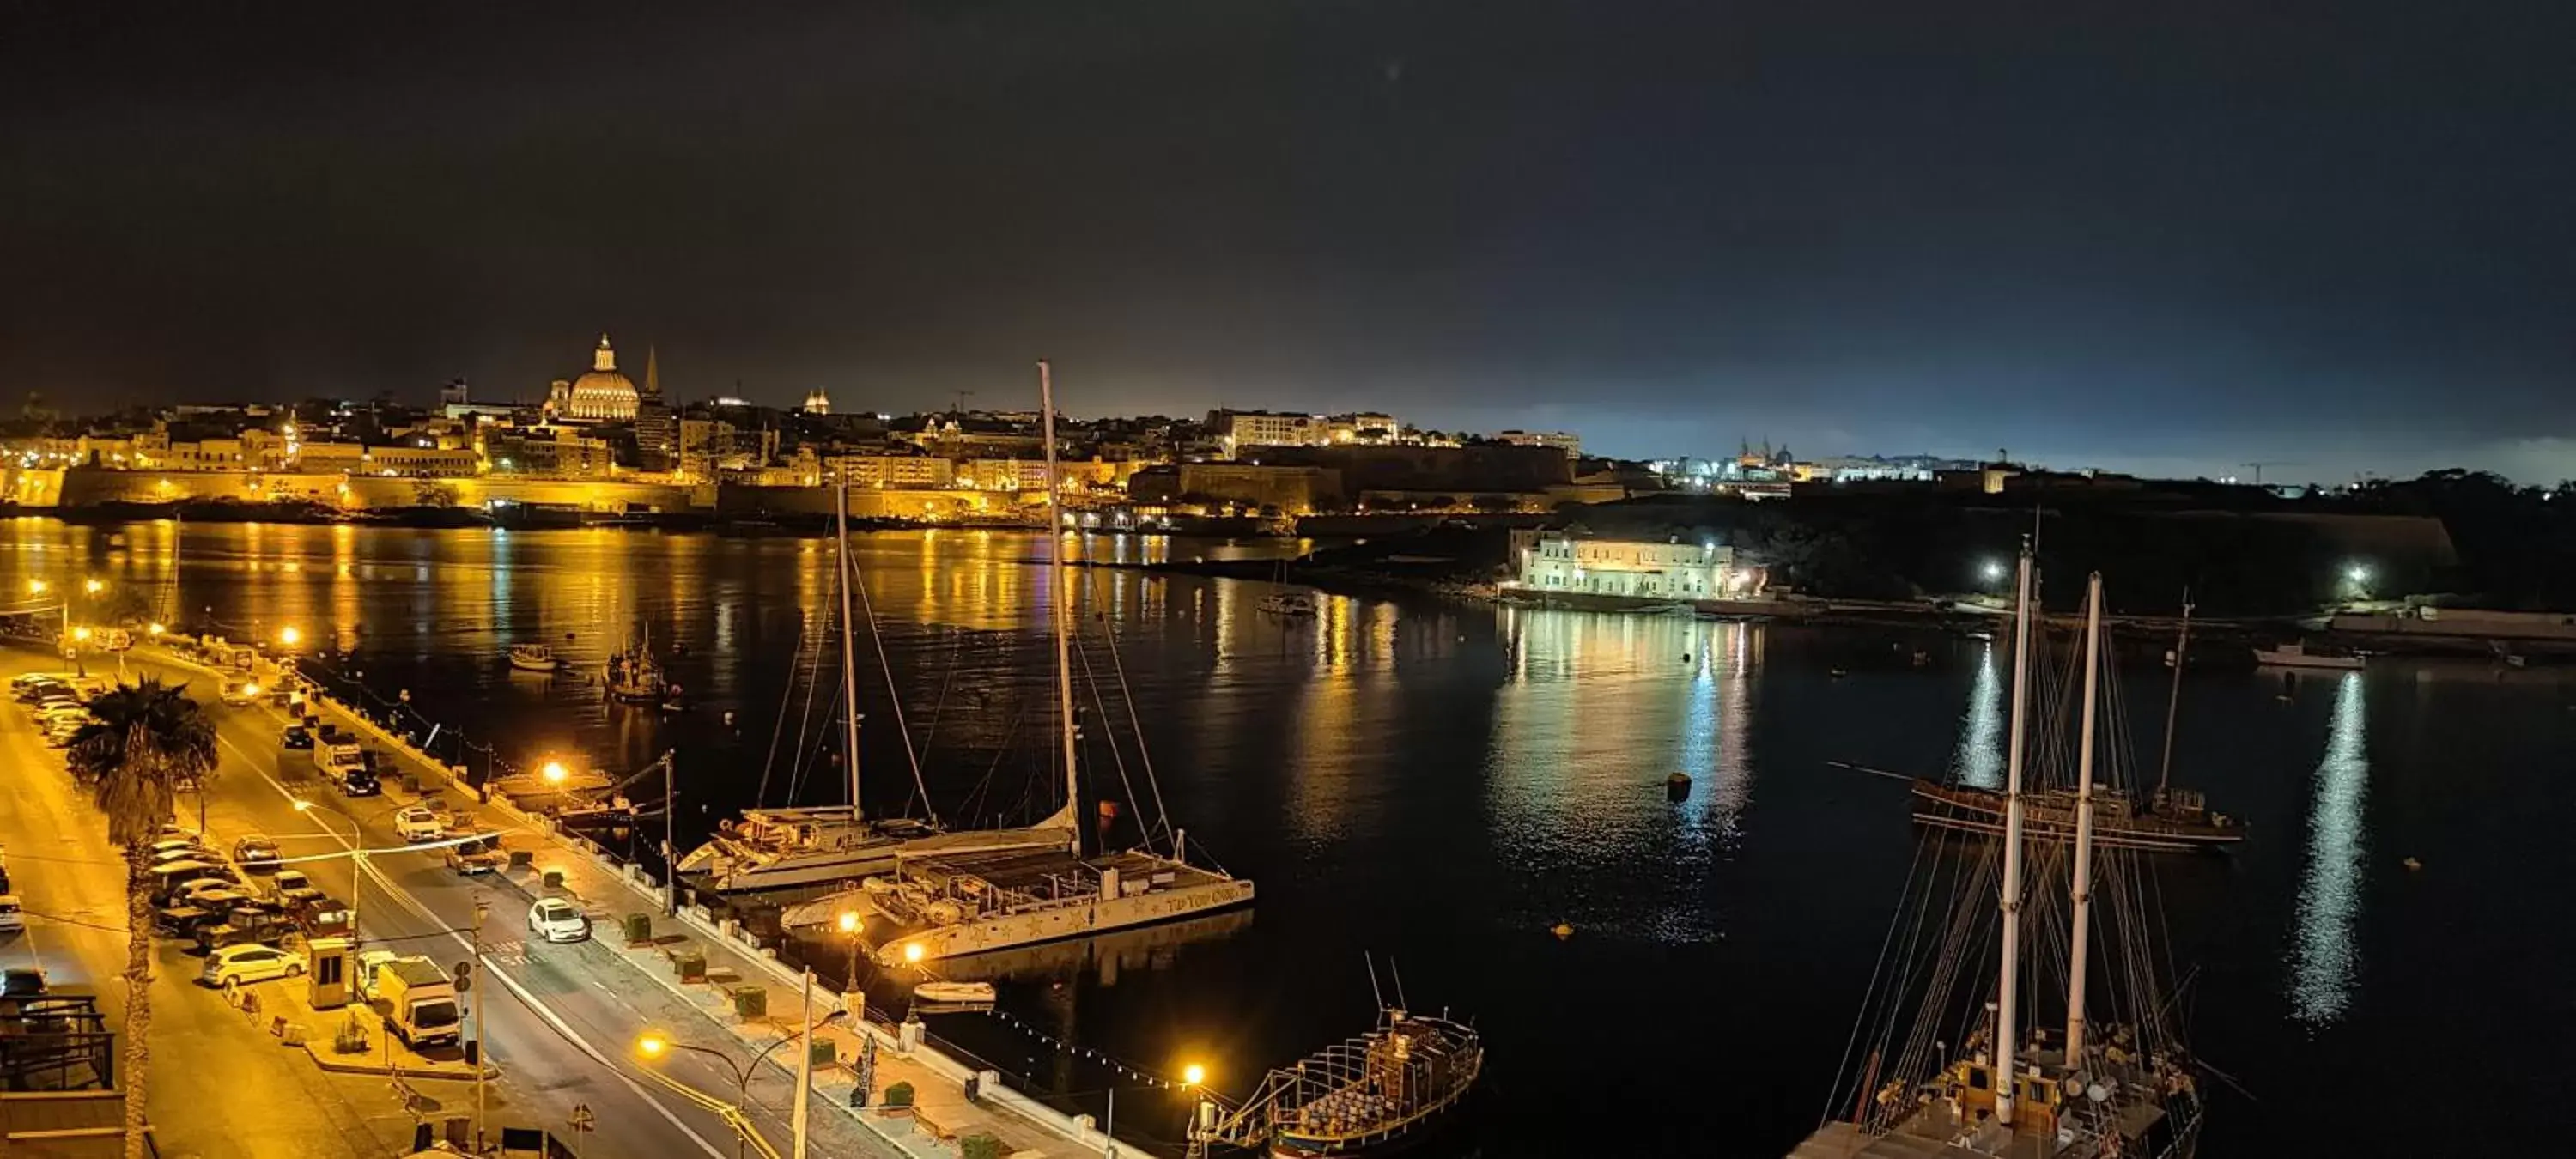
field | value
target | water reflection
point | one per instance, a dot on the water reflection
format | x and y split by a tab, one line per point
2324	962
1979	759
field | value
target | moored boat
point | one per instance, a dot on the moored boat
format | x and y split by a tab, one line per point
1377	1093
2295	654
1291	604
533	658
963	993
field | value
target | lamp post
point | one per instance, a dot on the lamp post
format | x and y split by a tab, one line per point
655	1045
357	853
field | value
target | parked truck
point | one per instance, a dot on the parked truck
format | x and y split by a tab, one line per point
417	998
335	753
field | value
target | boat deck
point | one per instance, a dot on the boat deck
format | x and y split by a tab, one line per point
1050	873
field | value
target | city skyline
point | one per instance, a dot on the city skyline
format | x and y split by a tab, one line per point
2172	244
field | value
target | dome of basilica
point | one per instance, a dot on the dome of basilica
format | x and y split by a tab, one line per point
603	395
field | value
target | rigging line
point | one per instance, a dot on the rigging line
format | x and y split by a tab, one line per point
939	707
894	700
1082	652
1135	727
806	747
778	725
1860	1017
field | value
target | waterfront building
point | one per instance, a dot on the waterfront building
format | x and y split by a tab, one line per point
318	458
1241	429
1559	561
880	472
431	462
1566	441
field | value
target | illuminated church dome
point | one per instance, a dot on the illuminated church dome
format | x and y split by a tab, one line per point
603	395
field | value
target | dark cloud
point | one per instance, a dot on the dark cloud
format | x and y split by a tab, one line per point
2170	234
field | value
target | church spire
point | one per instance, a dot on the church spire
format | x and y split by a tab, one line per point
652	373
604	359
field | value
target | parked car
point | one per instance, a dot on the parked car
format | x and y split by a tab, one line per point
419	823
256	853
359	781
474	857
238	965
209	893
244	925
12	918
296	736
557	920
22	682
291	886
322	916
174	844
22	982
240	693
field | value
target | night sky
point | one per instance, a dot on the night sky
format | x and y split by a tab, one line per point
2165	237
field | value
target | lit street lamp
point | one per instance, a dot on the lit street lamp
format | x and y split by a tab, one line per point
35	587
655	1045
94	587
554	772
290	636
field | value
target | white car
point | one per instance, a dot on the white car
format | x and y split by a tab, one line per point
557	920
12	918
235	965
419	823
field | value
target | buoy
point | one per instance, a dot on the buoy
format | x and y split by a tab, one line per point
2412	865
1562	931
1678	780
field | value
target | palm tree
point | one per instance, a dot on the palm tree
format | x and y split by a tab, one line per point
146	743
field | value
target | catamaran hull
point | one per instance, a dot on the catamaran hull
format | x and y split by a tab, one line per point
524	664
1101	915
774	877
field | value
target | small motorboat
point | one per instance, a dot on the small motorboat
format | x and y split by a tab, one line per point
533	658
962	993
2295	654
1288	604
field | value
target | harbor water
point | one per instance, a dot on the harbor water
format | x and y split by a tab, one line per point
1438	786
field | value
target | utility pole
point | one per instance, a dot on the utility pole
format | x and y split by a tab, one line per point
670	852
479	1044
804	1063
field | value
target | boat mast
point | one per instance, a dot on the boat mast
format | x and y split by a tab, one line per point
2010	987
1059	604
849	655
2077	945
2182	648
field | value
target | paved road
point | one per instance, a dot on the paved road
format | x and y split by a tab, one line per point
561	1024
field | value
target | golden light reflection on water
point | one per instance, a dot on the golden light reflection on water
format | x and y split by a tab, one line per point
1583	739
2325	961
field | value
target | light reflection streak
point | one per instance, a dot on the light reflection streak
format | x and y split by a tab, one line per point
2324	961
1979	759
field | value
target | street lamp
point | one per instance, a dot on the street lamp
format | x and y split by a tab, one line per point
357	850
912	953
94	586
554	772
290	636
35	587
156	628
655	1045
1193	1075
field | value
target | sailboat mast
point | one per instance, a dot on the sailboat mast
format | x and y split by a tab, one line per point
1059	603
2173	702
849	655
2009	990
2078	947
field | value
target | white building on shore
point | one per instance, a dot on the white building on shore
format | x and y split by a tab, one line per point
1556	561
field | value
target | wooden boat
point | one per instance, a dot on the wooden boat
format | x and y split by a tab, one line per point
2295	654
533	658
634	676
2172	821
957	992
1379	1092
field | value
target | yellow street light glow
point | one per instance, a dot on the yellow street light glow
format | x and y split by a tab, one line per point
652	1045
80	633
1193	1074
290	636
94	586
250	688
912	951
157	629
35	587
554	772
849	921
303	806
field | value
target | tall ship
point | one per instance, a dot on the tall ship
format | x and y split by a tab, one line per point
948	902
2166	819
1952	1072
798	848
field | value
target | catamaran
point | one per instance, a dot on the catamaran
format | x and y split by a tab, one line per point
946	902
791	848
2125	1087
